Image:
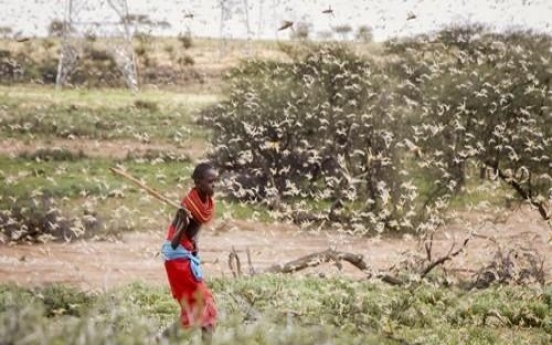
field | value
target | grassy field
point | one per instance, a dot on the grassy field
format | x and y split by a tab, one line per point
284	310
29	112
61	145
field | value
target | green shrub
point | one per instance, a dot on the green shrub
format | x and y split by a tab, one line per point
62	300
40	221
477	113
147	105
272	309
186	60
186	41
326	127
53	154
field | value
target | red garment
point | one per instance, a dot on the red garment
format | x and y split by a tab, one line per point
197	305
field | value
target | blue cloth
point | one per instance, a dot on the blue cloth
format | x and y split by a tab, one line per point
181	253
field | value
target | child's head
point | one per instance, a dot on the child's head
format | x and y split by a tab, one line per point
204	177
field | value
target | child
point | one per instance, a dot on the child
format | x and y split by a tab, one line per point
180	252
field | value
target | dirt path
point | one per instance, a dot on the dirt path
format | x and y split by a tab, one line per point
102	265
118	149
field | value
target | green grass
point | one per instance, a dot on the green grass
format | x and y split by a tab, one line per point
80	184
273	309
30	112
77	179
23	178
240	210
99	98
474	194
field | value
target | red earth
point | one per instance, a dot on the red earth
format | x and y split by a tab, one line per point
101	265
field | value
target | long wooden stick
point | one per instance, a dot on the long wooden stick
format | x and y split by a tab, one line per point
142	185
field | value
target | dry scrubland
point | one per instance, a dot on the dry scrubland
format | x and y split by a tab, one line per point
78	251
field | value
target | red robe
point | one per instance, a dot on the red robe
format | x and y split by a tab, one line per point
197	306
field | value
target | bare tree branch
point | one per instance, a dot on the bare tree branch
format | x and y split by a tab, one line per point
523	193
445	258
316	259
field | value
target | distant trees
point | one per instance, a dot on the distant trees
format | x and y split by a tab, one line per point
301	31
343	30
186	40
57	27
364	34
5	31
142	24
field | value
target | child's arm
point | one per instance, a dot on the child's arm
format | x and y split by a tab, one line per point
180	222
192	233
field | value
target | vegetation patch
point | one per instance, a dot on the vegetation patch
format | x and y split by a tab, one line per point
390	145
102	115
273	309
53	154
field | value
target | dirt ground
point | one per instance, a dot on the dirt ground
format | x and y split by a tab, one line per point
101	265
118	149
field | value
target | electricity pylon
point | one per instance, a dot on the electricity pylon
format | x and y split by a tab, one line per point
103	19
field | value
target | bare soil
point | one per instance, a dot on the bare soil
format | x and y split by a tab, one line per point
117	149
102	265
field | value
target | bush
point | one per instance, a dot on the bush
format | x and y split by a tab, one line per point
40	221
48	71
326	127
488	105
10	69
62	300
186	60
53	154
146	105
97	54
186	41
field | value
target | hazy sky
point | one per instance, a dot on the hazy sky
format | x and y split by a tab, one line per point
386	17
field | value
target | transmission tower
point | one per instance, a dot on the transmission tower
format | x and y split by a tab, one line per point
234	17
104	19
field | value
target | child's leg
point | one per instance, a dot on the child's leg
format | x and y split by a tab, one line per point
172	330
207	335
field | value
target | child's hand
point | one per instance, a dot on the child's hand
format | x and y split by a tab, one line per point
196	249
181	220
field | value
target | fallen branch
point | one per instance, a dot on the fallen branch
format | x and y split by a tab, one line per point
313	260
316	259
331	255
390	279
445	258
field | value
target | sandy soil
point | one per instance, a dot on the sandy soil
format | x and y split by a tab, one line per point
118	149
97	266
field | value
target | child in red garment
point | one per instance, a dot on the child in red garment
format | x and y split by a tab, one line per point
181	255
